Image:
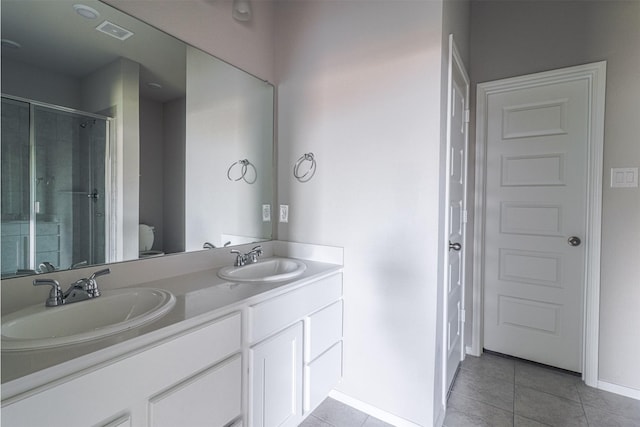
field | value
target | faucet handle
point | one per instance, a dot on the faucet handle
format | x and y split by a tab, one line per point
100	273
240	258
55	294
91	286
254	254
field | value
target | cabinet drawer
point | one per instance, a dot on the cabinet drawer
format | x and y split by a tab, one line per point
324	330
217	340
274	314
212	398
321	376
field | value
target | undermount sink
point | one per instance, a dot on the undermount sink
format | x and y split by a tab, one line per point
271	270
40	327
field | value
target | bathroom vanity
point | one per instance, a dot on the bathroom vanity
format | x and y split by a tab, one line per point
227	354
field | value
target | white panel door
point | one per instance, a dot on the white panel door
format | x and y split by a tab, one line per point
457	137
276	380
535	221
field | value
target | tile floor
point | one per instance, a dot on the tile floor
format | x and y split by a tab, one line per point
332	413
495	391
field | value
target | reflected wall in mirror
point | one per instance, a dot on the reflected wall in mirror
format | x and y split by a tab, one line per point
109	123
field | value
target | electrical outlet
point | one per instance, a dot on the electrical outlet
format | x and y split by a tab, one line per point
624	177
266	213
284	213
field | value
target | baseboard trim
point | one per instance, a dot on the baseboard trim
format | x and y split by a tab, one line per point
470	350
618	389
371	410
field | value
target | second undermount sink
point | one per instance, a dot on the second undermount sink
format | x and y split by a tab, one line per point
270	270
118	310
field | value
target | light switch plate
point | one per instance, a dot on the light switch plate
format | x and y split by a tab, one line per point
284	213
624	177
266	213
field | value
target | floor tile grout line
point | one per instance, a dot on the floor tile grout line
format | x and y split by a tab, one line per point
480	401
582	405
607	411
531	419
513	407
553	395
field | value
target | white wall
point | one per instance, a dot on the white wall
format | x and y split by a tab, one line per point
208	25
174	131
515	38
359	86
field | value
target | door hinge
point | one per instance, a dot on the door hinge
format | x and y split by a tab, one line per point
463	315
467	115
464	217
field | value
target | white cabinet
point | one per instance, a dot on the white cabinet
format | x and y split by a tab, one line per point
323	355
267	364
148	388
276	379
212	397
292	371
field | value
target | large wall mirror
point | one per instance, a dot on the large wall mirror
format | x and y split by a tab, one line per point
120	141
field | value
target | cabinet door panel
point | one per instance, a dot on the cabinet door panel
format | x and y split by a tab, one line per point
210	398
325	329
276	380
321	376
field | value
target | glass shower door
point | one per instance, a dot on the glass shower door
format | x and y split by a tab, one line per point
16	191
70	188
54	169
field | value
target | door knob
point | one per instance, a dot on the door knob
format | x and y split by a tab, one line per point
454	246
574	241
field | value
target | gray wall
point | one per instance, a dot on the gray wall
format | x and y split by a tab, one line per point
152	168
515	38
27	81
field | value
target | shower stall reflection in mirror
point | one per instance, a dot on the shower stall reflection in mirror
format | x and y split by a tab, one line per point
56	174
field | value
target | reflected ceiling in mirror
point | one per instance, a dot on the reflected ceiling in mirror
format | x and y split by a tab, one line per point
109	123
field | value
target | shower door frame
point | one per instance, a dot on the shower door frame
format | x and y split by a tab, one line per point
110	186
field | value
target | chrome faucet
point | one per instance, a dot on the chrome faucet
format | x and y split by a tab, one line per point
79	290
253	255
248	258
46	267
208	245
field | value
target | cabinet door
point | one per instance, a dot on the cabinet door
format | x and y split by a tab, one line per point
276	380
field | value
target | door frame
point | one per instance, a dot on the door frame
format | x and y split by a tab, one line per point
455	61
595	75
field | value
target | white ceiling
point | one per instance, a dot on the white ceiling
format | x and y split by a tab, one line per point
53	36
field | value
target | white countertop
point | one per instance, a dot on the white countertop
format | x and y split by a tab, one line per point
200	297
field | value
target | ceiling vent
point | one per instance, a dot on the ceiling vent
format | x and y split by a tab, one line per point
114	30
